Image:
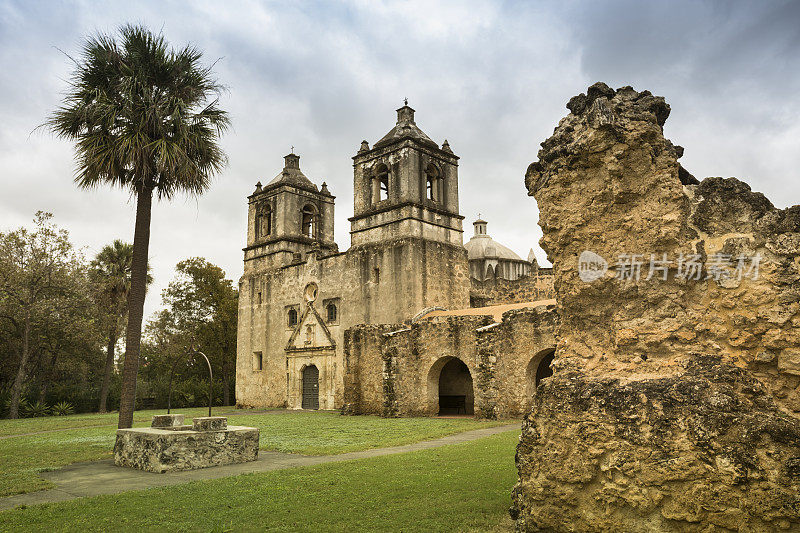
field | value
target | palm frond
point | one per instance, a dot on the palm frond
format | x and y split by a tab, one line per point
142	115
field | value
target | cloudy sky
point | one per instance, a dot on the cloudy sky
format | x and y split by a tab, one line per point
491	77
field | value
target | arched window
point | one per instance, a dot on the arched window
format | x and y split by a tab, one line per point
308	223
381	182
292	318
331	312
432	183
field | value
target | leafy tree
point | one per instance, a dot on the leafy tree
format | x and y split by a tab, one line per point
35	269
144	117
68	331
202	305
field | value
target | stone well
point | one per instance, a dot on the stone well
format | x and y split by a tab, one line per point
170	445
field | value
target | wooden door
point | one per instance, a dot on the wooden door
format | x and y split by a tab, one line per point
310	387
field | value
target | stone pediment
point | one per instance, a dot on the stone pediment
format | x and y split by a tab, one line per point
310	333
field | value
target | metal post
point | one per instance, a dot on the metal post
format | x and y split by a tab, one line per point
192	352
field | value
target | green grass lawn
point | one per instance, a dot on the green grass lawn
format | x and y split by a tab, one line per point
50	423
64	440
461	487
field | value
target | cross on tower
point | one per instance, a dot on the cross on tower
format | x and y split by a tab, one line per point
405	101
292	149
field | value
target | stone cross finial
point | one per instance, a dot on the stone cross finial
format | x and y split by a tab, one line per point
405	101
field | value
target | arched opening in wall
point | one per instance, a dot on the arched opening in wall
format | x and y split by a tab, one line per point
310	387
291	317
332	312
538	369
432	183
308	223
382	182
450	389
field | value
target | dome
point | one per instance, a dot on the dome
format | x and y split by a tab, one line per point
482	246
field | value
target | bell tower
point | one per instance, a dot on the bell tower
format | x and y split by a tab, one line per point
406	234
288	217
406	185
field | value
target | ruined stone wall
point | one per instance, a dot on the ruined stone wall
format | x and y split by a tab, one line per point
519	342
608	182
394	370
497	291
363	374
669	408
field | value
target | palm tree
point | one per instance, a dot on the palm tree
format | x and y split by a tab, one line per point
111	273
144	117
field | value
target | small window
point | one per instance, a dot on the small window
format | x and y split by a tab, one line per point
258	362
331	310
376	274
308	221
292	317
258	298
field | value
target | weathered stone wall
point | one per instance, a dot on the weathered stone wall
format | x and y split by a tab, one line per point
370	284
394	370
498	290
668	410
630	200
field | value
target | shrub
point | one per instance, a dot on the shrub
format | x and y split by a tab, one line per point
34	409
63	409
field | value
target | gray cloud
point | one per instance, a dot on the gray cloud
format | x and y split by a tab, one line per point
490	77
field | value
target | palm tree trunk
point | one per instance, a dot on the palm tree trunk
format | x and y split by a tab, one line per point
133	335
112	342
16	389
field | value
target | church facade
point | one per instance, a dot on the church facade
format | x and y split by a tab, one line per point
299	294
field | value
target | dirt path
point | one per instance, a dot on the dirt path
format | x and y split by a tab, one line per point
103	477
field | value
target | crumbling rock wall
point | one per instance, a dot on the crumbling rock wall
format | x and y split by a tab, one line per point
395	370
675	398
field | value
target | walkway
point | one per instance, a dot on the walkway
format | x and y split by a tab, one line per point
79	480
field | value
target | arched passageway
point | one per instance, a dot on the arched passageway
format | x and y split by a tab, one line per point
310	387
538	369
450	388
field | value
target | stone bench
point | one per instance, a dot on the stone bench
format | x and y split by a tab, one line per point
170	445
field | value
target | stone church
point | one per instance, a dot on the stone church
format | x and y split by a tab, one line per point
315	324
